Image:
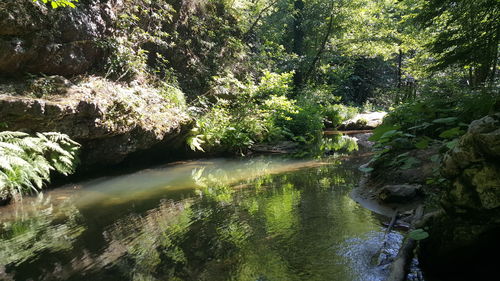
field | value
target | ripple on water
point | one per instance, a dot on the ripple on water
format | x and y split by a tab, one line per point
359	253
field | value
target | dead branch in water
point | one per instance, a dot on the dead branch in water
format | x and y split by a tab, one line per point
401	264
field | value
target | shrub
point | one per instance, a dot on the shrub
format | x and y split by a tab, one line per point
26	162
437	118
254	113
335	114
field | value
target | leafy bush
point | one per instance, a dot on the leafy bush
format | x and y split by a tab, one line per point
250	114
274	84
26	162
440	118
335	114
125	60
172	94
307	124
236	127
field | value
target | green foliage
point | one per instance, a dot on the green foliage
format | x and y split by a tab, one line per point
125	61
172	94
335	114
307	124
339	143
274	84
250	114
26	162
440	118
127	58
467	35
59	3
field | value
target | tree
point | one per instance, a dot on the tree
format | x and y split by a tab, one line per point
468	33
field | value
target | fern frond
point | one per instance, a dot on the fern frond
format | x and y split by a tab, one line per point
26	162
9	146
6	135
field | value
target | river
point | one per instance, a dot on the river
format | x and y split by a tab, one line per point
260	218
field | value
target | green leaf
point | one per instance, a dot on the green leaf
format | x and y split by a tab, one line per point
381	130
451	133
422	144
409	163
418	234
195	143
365	169
389	134
451	144
424	126
447	120
435	158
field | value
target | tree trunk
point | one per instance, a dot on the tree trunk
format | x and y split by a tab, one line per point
400	64
322	47
298	40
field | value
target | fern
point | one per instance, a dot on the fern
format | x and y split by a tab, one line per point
26	161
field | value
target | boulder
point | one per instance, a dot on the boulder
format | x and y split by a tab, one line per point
398	193
363	121
473	167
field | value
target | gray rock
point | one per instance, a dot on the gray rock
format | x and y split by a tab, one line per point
36	39
399	193
468	231
363	121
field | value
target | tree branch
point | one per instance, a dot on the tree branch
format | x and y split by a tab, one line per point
323	45
261	14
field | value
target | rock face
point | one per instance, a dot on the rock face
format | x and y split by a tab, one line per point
462	241
473	167
37	39
110	120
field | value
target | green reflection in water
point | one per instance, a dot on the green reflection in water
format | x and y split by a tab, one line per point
257	219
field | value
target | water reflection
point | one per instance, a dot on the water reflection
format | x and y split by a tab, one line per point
257	219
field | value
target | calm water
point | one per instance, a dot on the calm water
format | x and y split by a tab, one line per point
253	219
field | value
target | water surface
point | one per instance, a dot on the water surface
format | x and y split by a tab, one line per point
252	219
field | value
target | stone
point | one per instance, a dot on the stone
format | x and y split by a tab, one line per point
398	193
363	121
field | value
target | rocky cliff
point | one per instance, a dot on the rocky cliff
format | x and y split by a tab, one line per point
109	119
48	62
38	39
